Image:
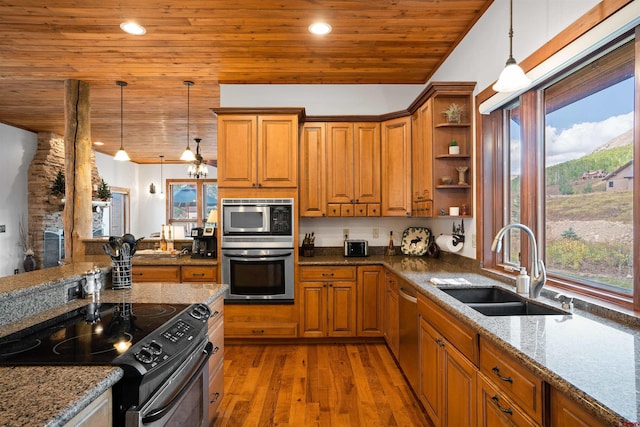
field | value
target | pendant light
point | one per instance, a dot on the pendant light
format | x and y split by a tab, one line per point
512	78
187	154
121	155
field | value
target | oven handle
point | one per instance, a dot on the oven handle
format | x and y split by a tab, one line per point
235	255
156	414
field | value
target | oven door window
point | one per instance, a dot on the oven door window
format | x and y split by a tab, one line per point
257	277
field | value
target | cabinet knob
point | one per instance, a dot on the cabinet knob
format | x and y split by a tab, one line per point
215	397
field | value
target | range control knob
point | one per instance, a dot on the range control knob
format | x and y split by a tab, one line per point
144	355
155	347
200	311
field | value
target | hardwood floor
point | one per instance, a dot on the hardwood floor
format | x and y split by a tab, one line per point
315	385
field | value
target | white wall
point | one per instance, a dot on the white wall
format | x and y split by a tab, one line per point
18	149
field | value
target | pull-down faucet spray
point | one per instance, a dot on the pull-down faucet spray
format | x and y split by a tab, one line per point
538	272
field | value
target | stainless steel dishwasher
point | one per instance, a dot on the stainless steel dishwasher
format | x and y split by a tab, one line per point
409	335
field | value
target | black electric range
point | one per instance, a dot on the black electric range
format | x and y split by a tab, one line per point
91	335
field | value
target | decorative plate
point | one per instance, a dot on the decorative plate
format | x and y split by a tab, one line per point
415	241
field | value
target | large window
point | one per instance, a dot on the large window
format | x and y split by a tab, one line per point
189	202
566	152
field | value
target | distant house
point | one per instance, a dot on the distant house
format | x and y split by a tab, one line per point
621	179
599	173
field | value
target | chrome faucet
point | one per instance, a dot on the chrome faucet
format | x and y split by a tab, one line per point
538	272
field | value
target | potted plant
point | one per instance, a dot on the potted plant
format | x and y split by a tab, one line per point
453	113
454	148
104	192
57	188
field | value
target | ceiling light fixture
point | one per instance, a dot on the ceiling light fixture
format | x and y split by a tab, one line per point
512	78
198	169
121	154
320	28
187	154
133	28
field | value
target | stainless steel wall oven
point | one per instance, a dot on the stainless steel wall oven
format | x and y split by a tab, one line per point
257	257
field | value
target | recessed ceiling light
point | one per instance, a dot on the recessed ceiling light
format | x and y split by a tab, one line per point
320	28
133	28
98	143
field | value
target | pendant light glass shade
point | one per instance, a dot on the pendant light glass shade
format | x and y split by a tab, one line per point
512	78
198	169
187	154
121	155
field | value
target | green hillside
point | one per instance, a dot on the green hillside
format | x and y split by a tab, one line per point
572	170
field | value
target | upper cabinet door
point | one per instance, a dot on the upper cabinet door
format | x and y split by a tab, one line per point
237	154
396	167
277	151
340	163
367	162
313	195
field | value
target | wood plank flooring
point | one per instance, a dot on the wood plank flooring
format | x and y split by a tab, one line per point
315	385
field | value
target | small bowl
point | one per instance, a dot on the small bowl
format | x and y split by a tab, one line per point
446	180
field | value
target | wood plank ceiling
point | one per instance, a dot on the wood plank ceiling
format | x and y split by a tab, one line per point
209	42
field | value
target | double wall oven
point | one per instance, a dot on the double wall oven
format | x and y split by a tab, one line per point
163	350
257	256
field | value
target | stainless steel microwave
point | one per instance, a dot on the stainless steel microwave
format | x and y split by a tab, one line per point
255	218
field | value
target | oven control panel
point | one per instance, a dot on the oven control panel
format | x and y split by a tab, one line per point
169	343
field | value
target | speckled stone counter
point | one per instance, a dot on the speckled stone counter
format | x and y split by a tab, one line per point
50	396
583	355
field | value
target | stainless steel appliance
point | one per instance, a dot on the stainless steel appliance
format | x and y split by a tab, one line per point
257	223
163	350
356	248
204	242
257	255
258	275
409	352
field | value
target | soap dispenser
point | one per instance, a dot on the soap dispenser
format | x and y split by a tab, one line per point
522	282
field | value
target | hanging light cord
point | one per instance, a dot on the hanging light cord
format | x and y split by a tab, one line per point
511	31
121	120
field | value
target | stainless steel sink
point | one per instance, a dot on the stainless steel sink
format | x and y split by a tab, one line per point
500	302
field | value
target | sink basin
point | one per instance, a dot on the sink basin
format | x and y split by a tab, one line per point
500	302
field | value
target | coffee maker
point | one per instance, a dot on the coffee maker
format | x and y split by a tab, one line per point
204	242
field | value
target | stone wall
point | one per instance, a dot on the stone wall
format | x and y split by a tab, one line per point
45	211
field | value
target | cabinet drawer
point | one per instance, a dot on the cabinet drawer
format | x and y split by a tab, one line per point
260	330
496	410
327	273
333	209
461	336
216	388
217	310
373	209
159	273
216	337
512	379
199	273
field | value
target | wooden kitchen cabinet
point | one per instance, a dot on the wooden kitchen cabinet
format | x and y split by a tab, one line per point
370	294
155	273
447	375
396	167
565	412
422	160
391	317
495	409
313	188
216	361
199	273
327	302
353	169
514	381
257	150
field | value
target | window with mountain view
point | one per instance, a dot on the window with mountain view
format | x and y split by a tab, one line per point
589	175
560	159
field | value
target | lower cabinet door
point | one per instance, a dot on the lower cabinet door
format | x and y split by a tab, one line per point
216	389
496	410
459	382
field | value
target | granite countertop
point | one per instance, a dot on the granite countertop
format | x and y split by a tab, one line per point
52	395
582	354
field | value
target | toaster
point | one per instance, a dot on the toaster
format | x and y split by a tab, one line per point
356	248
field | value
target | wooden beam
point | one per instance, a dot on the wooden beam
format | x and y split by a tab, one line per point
77	216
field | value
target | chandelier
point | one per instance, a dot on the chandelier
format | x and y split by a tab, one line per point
198	169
